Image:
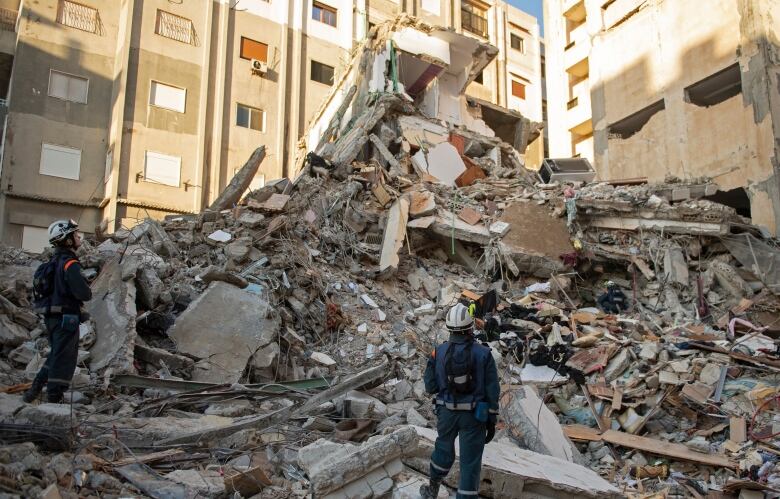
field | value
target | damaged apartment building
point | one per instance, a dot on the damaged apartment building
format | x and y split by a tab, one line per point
654	89
126	109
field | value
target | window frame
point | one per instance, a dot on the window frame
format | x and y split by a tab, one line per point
71	75
160	155
64	149
311	73
473	11
516	81
521	45
241	48
325	8
251	109
152	81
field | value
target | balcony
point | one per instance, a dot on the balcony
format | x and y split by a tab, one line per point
574	10
474	23
575	60
578	113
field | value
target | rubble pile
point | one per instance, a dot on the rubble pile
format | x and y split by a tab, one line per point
274	346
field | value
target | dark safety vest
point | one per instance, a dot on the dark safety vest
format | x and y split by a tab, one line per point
455	354
62	301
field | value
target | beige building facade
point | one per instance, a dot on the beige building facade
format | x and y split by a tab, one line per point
120	110
651	88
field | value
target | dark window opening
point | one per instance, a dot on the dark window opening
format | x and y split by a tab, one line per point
736	198
715	88
480	78
322	73
517	42
630	125
324	14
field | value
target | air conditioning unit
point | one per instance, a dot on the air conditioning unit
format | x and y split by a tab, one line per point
259	66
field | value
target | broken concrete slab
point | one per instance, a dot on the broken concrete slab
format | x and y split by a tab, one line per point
395	233
11	333
535	427
423	203
445	163
385	154
345	468
153	485
113	311
675	266
514	473
224	326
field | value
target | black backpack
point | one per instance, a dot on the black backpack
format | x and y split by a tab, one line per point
43	284
459	368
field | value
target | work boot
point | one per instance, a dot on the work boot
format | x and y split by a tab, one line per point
55	396
430	491
33	392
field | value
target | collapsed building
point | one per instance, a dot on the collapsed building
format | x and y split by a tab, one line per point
273	346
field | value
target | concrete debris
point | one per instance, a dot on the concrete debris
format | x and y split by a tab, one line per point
631	322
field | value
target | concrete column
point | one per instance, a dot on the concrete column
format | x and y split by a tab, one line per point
212	168
282	101
205	97
297	79
118	91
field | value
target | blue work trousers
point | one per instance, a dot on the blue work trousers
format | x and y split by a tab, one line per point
471	433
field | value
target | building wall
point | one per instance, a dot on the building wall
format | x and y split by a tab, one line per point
642	54
118	125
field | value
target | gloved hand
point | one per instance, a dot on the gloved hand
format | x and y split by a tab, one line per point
491	431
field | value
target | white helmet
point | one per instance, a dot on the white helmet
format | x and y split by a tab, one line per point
459	320
61	229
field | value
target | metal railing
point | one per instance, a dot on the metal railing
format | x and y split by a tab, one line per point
474	23
8	19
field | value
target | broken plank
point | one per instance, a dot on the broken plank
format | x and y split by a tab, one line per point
153	485
240	182
147	458
136	381
351	383
737	430
395	233
642	266
580	432
669	449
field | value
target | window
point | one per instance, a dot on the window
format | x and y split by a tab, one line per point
480	78
8	19
167	97
78	16
324	13
322	73
174	27
35	239
474	19
250	117
60	161
68	87
715	88
517	42
251	49
518	89
162	169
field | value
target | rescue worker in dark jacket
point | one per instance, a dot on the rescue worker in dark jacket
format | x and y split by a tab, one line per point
614	300
463	375
62	315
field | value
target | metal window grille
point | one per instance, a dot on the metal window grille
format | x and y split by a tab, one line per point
8	19
174	27
78	16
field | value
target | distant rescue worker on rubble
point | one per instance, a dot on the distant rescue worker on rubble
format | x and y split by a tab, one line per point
59	291
463	375
613	301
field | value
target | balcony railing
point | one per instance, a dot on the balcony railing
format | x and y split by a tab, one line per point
572	103
8	19
474	23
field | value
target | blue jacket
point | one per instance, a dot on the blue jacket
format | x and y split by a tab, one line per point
71	290
485	374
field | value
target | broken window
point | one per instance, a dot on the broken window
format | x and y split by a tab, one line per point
735	198
324	14
474	19
517	43
174	27
251	49
78	16
322	73
250	117
716	88
518	89
629	125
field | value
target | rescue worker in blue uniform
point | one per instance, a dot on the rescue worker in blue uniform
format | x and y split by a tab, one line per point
614	300
463	375
62	314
